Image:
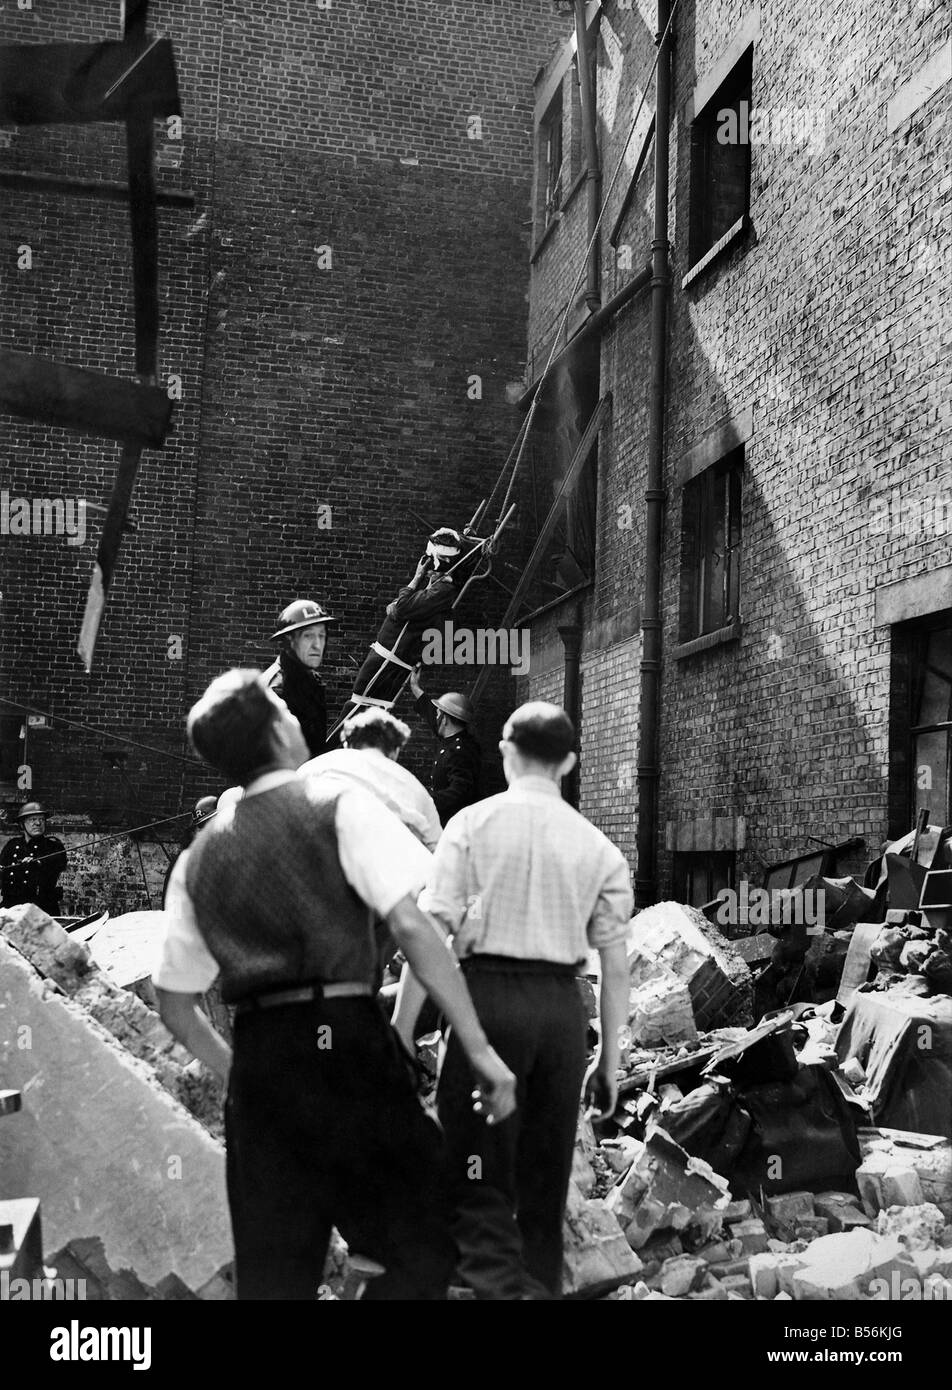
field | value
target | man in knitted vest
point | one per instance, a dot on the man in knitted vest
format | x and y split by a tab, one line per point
288	895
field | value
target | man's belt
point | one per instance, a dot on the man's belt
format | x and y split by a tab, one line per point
307	994
502	965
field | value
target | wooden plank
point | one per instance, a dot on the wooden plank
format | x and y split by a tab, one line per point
75	83
83	400
107	554
143	219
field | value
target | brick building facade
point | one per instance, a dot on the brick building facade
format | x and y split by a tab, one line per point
806	580
354	258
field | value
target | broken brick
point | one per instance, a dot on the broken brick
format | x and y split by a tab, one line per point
916	1227
737	1284
682	1274
788	1207
752	1234
762	1272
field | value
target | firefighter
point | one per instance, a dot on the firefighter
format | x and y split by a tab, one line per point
302	632
454	780
426	600
31	864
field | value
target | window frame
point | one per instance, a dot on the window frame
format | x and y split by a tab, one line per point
703	245
696	622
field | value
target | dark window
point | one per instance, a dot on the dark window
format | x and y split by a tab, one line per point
920	723
931	729
550	163
710	548
720	161
699	876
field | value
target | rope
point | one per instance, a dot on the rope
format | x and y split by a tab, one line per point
119	835
527	424
100	733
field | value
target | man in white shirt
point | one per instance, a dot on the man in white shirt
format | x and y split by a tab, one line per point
286	896
373	741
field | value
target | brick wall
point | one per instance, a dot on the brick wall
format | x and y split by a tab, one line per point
306	382
825	321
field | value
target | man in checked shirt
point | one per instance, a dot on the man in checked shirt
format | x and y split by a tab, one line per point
526	886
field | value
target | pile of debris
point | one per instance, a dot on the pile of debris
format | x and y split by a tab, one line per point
685	977
665	1226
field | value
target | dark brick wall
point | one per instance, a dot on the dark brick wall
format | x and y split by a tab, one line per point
302	387
827	321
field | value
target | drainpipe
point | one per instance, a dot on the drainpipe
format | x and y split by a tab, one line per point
571	634
649	701
593	174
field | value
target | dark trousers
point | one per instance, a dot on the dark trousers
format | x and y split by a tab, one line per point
323	1128
509	1182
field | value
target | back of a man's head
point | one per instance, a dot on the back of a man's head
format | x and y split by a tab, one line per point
541	732
375	728
231	725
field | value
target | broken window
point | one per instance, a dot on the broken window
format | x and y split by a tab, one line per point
720	161
931	729
550	162
710	548
699	876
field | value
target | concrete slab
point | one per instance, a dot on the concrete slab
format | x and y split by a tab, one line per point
104	1148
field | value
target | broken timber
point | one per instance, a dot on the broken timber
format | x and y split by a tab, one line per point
83	400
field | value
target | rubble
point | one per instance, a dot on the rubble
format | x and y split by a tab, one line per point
139	1030
596	1255
670	943
661	1193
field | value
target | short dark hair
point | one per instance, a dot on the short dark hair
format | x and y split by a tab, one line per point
375	728
540	731
230	726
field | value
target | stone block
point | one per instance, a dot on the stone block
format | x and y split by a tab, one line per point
809	1227
680	1275
737	1284
752	1234
915	1227
737	1211
788	1207
660	1012
844	1266
762	1272
596	1254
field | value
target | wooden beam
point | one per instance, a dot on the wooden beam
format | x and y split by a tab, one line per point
143	218
106	555
82	400
110	190
75	83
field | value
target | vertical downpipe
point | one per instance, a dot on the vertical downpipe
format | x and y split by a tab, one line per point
646	878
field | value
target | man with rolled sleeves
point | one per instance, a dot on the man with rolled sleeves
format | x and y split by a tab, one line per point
454	780
288	894
527	886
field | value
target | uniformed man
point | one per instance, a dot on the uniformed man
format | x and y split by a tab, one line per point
31	864
425	601
302	632
455	775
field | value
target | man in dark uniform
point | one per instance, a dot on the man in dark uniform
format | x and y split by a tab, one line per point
455	774
30	864
428	597
302	632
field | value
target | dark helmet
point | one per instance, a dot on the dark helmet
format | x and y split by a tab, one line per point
32	808
457	706
205	807
303	612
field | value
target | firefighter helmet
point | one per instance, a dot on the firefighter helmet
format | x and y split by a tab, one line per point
303	612
32	808
457	706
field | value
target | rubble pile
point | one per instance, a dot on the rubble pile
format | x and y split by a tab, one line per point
68	965
685	976
909	945
690	1240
